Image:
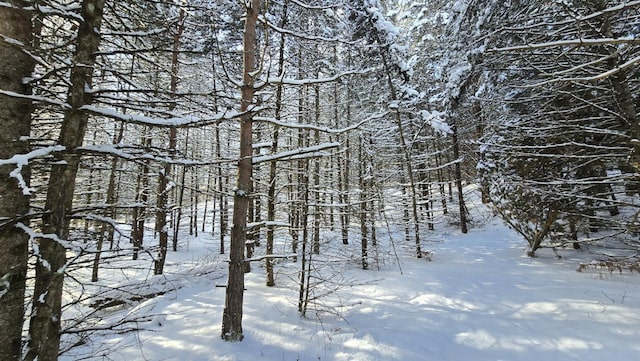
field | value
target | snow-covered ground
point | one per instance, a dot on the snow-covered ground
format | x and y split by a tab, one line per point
480	298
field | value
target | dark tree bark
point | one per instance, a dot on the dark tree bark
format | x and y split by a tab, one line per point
161	227
232	314
15	117
142	196
176	227
44	329
458	174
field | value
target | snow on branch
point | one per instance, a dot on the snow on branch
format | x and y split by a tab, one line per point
596	77
313	151
11	41
306	36
4	284
320	128
312	7
436	121
267	224
21	160
613	9
34	236
66	11
134	33
282	81
184	121
570	42
270	256
35	98
120	151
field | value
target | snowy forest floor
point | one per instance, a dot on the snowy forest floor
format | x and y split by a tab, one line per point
481	298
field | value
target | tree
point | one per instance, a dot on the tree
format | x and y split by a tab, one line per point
232	315
163	183
557	155
44	328
16	66
372	27
273	166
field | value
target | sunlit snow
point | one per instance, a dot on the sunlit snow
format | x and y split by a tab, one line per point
481	298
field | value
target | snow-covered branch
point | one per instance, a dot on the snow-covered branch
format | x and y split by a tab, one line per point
306	36
282	81
312	7
34	236
120	151
185	121
36	98
569	42
21	160
609	10
267	224
313	151
270	256
321	128
596	77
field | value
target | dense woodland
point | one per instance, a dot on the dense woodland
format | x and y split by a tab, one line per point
126	124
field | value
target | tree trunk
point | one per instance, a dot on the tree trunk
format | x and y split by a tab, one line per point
44	329
273	166
295	212
142	196
105	229
344	176
161	212
408	165
15	117
232	314
364	212
222	199
271	201
163	182
303	222
179	210
176	227
221	176
441	181
195	186
207	192
458	174
316	178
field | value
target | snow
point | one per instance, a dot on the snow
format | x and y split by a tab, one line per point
481	298
177	121
312	151
437	121
22	160
4	285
